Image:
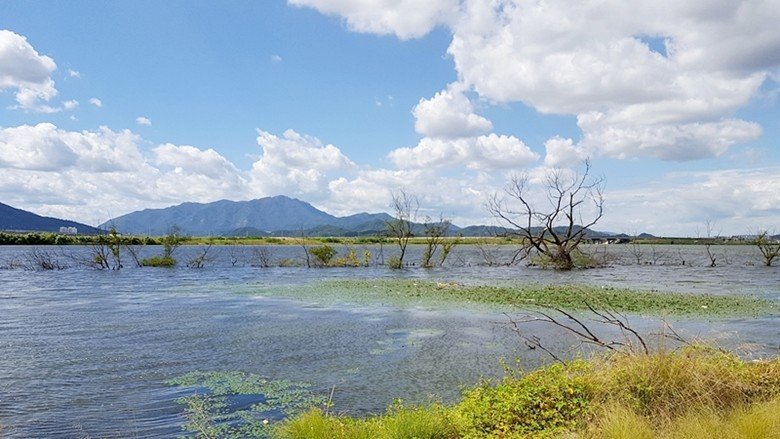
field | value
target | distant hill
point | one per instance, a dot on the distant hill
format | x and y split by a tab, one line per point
273	216
260	217
14	219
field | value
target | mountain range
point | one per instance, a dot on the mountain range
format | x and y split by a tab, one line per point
15	219
270	216
279	215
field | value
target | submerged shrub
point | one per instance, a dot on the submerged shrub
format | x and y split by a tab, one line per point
159	261
322	254
395	263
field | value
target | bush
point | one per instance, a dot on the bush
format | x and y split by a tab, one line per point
158	261
322	254
694	392
548	400
395	263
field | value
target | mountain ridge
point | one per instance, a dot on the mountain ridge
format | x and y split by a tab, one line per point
14	219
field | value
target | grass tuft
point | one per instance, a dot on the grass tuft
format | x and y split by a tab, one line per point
694	392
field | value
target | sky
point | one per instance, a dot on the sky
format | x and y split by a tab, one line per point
111	107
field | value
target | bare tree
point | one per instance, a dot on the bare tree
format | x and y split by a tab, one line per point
305	245
708	226
261	257
553	231
769	249
405	207
199	261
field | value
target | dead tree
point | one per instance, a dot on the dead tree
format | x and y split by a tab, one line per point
405	207
553	229
628	340
708	226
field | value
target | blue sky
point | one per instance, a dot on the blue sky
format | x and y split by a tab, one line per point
109	107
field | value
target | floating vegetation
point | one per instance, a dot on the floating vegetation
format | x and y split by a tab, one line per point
238	404
572	297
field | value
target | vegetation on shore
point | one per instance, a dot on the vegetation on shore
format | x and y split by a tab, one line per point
47	238
571	297
695	391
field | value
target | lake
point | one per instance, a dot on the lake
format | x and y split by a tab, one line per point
86	353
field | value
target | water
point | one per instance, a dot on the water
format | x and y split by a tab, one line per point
85	353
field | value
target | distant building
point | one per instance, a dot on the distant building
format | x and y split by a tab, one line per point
69	230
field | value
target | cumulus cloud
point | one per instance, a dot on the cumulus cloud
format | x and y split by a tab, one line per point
96	102
371	190
144	121
562	152
478	153
456	136
70	105
599	61
403	18
94	175
295	164
449	114
74	73
27	72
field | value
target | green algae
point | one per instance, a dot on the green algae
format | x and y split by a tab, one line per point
570	297
212	411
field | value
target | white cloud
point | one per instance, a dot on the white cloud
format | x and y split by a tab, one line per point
449	114
142	120
478	153
402	18
679	204
96	102
276	58
93	175
371	190
192	160
295	164
23	69
563	153
598	61
679	142
70	105
456	136
73	73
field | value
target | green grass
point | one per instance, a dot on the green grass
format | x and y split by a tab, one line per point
571	297
691	393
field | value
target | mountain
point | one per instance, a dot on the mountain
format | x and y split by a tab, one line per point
273	216
240	218
15	219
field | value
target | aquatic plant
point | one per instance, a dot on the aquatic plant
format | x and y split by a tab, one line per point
212	410
572	297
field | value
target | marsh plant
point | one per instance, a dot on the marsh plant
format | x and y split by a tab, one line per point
170	243
769	248
39	259
211	410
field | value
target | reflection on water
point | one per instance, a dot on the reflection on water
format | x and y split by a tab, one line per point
86	353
